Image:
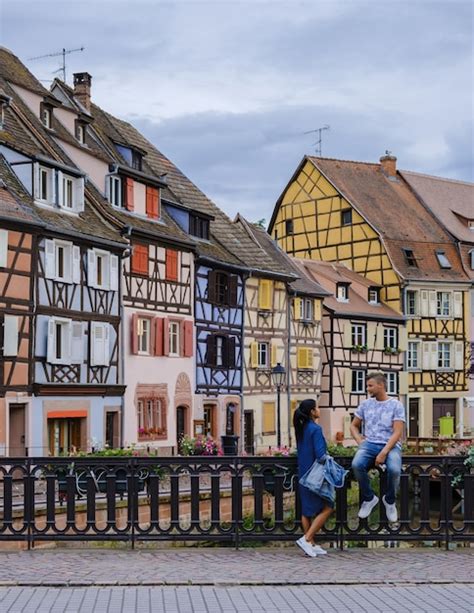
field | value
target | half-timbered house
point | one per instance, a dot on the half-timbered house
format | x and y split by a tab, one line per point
367	217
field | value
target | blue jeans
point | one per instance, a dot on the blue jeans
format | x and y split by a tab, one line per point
364	459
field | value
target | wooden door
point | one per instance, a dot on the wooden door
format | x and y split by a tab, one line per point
442	407
413	417
180	424
112	427
210	420
17	430
249	432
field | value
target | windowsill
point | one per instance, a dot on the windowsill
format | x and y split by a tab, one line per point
152	437
358	393
59	280
269	433
342	300
305	369
445	370
144	353
414	370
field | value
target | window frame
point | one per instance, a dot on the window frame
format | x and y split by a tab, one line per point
441	356
356	380
67	180
115	188
416	303
289	227
376	291
440	296
344	213
306	309
174	332
50	178
356	330
392	383
144	332
151	415
443	260
46	115
410	355
345	288
410	258
263	354
66	248
390	337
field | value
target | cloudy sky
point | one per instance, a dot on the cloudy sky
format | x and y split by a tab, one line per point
228	88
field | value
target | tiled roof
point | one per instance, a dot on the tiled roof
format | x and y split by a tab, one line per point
329	274
402	221
16	72
13	201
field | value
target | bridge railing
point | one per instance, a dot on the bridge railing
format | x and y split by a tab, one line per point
221	499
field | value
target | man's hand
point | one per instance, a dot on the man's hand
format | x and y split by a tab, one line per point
380	459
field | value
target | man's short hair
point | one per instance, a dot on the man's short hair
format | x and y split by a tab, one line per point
379	377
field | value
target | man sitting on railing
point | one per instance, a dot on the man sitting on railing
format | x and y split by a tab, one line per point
383	418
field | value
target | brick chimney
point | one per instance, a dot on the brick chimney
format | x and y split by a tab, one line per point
82	88
389	164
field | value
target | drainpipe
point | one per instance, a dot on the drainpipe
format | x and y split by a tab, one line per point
126	233
242	362
288	364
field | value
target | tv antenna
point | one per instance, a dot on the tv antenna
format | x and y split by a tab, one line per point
319	143
64	52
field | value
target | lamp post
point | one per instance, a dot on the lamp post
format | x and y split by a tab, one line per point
278	376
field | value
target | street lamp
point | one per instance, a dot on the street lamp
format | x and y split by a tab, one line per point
278	376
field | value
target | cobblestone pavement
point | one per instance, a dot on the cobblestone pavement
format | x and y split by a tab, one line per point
244	599
64	567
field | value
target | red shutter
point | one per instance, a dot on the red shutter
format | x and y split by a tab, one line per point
171	265
159	336
134	333
140	259
129	194
166	336
156	203
152	202
188	339
181	338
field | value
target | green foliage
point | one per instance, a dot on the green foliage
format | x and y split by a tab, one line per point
335	449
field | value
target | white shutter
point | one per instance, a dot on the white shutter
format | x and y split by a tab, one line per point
36	189
107	187
3	247
91	268
459	355
457	302
114	272
106	344
76	264
433	304
402	382
77	342
67	343
433	355
426	361
60	179
380	339
100	344
347	381
79	194
52	183
68	264
10	335
424	304
347	426
51	358
371	334
402	338
49	259
347	334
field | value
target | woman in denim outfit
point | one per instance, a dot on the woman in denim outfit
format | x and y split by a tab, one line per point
311	446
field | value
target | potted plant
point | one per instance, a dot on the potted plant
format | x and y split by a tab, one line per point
359	348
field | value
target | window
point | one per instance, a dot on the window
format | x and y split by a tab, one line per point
81	132
442	259
392	383
444	355
198	226
412	302
263	355
45	187
289	226
144	335
374	295
59	345
171	266
174	338
151	418
46	114
222	288
443	304
140	259
358	381
102	263
68	193
114	190
306	309
220	342
346	217
342	292
220	351
102	269
63	261
358	334
136	160
410	257
275	235
390	338
413	355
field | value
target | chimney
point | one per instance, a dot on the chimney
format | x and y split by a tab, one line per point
82	88
389	164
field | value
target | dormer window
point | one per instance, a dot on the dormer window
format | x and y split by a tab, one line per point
114	190
81	132
136	160
54	187
68	193
46	115
442	259
471	253
342	292
45	185
374	295
470	224
410	258
198	226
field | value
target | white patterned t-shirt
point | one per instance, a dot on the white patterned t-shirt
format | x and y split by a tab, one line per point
378	417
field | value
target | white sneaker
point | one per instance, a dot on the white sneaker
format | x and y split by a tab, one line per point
319	550
366	507
390	511
306	547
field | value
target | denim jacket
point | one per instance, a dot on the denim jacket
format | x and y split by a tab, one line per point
323	477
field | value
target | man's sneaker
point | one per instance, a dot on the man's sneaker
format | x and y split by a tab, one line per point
366	507
390	511
306	547
319	550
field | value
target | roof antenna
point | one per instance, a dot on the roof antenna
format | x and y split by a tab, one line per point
319	143
64	52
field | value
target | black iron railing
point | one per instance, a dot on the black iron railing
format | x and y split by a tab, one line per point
226	499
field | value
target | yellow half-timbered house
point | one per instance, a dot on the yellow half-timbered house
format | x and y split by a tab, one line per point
367	217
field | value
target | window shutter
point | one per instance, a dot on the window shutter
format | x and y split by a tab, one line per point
301	360
230	352
67	338
156	203
347	340
53	182
424	303
158	336
254	354
211	350
134	334
380	337
188	338
79	194
99	344
433	355
50	355
317	308
274	356
265	287
77	343
76	264
114	273
107	188
457	302
211	286
148	202
171	265
91	268
36	181
268	421
371	334
3	248
459	355
166	336
49	259
346	421
152	196
309	358
10	335
297	308
59	179
233	287
433	304
402	338
129	202
426	361
348	381
403	382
